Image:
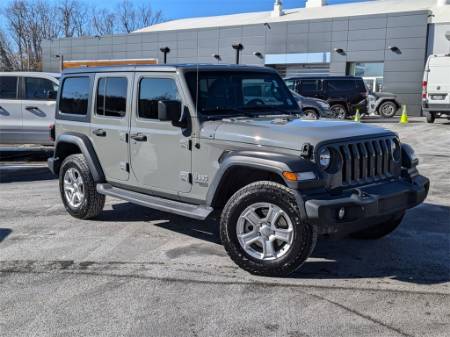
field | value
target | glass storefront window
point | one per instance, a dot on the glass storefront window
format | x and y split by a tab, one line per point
371	72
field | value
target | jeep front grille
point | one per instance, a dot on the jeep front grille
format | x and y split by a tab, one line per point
366	160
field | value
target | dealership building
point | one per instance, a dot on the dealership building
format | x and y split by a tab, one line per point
384	41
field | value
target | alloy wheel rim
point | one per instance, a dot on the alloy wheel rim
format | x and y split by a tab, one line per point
265	231
388	109
74	187
339	112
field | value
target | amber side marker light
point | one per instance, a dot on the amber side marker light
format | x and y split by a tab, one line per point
299	176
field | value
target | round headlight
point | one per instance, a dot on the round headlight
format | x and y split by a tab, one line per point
395	150
325	158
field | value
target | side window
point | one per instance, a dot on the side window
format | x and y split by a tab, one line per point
75	95
112	97
152	90
308	87
40	89
341	85
8	87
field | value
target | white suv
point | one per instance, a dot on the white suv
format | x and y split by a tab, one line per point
27	107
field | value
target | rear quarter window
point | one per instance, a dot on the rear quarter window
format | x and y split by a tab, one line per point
75	95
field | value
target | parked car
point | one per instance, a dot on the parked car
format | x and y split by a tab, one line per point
313	108
345	94
188	140
383	103
27	107
436	87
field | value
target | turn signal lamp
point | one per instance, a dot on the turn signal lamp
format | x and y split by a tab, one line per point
299	176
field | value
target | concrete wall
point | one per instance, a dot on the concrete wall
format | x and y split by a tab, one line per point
363	38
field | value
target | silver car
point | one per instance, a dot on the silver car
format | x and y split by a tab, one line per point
27	107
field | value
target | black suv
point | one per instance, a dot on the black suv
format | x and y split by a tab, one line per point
345	94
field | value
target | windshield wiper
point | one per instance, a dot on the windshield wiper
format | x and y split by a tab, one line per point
236	112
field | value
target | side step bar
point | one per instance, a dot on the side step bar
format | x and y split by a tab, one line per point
188	210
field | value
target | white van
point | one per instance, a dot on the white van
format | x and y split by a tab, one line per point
436	87
27	107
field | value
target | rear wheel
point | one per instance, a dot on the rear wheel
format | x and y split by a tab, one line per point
388	109
380	230
262	231
430	117
339	111
78	190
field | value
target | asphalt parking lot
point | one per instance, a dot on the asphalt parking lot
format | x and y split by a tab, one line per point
138	272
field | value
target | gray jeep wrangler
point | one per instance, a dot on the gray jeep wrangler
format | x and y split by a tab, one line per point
195	140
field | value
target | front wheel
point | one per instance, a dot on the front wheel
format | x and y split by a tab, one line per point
380	230
311	114
388	109
339	111
262	231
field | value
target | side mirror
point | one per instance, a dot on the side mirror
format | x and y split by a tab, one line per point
169	111
52	94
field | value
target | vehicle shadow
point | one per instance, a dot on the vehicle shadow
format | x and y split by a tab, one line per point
4	232
126	212
417	252
24	173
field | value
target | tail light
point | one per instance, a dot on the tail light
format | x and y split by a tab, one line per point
52	132
424	89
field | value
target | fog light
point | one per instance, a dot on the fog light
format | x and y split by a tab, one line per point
341	213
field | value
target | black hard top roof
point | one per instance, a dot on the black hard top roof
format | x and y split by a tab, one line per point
168	68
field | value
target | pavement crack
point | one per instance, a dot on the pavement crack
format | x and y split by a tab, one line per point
360	314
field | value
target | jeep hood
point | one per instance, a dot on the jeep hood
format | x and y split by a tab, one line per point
285	132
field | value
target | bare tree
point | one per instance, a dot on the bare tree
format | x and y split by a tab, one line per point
103	22
132	18
29	22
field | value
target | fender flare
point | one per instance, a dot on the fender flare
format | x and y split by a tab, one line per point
86	148
267	161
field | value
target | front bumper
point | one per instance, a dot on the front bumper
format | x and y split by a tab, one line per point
364	206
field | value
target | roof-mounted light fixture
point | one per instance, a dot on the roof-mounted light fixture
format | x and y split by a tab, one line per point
258	54
339	51
394	49
217	57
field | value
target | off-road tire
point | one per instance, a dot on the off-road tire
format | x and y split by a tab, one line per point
305	235
311	112
93	202
430	117
380	230
339	111
382	107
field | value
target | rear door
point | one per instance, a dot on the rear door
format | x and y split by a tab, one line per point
38	107
439	80
309	88
10	110
110	123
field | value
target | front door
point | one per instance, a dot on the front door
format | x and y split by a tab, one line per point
160	154
110	123
38	107
10	110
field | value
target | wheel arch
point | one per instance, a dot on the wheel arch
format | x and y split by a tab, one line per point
73	143
240	168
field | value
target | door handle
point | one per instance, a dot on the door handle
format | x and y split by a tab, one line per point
99	132
31	108
139	137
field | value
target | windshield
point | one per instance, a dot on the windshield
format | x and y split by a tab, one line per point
240	93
